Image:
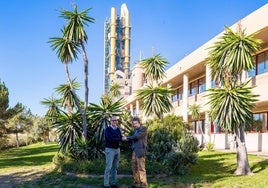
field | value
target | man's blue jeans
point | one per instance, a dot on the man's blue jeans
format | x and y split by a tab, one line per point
112	160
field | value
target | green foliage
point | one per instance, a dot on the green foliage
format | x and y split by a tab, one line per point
188	143
79	150
178	162
209	146
183	154
154	96
155	99
160	143
69	128
4	101
155	67
232	55
170	144
99	118
3	142
231	106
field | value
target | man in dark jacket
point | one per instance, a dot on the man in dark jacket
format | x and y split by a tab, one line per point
139	147
113	136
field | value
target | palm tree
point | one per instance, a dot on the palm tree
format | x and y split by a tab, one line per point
69	128
99	116
67	95
53	106
155	100
232	103
114	90
154	97
68	47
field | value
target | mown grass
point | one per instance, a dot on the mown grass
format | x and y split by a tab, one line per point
214	169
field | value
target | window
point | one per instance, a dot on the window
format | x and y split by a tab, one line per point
192	88
259	123
201	85
196	87
177	96
174	97
261	64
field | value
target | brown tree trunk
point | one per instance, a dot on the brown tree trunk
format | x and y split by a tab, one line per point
17	138
241	153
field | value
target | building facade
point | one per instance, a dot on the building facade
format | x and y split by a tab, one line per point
117	50
190	77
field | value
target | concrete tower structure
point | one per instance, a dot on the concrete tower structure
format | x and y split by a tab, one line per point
117	50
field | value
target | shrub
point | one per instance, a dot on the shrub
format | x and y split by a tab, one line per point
183	154
209	146
162	135
178	162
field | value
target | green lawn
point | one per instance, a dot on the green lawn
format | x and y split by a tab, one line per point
214	169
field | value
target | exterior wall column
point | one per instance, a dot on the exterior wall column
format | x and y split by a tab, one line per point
207	119
185	98
131	109
137	108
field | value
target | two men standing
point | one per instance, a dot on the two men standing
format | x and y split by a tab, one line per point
113	136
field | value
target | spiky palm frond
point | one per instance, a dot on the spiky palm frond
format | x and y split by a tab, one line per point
155	67
232	105
53	105
99	116
67	50
195	110
65	90
156	99
76	23
69	128
232	54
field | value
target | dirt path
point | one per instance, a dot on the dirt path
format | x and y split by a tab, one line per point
12	178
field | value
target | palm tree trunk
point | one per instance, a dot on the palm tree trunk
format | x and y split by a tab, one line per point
241	153
86	89
76	100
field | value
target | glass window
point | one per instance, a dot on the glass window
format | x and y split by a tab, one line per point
174	98
259	122
180	94
192	88
201	85
262	63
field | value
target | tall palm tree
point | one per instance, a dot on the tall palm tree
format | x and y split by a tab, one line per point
232	103
68	47
154	97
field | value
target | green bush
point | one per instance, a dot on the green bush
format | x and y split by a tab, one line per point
209	146
162	135
183	154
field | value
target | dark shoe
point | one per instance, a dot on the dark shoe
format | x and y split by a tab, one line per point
106	186
114	186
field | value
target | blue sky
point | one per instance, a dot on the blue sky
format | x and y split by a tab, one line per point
173	28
